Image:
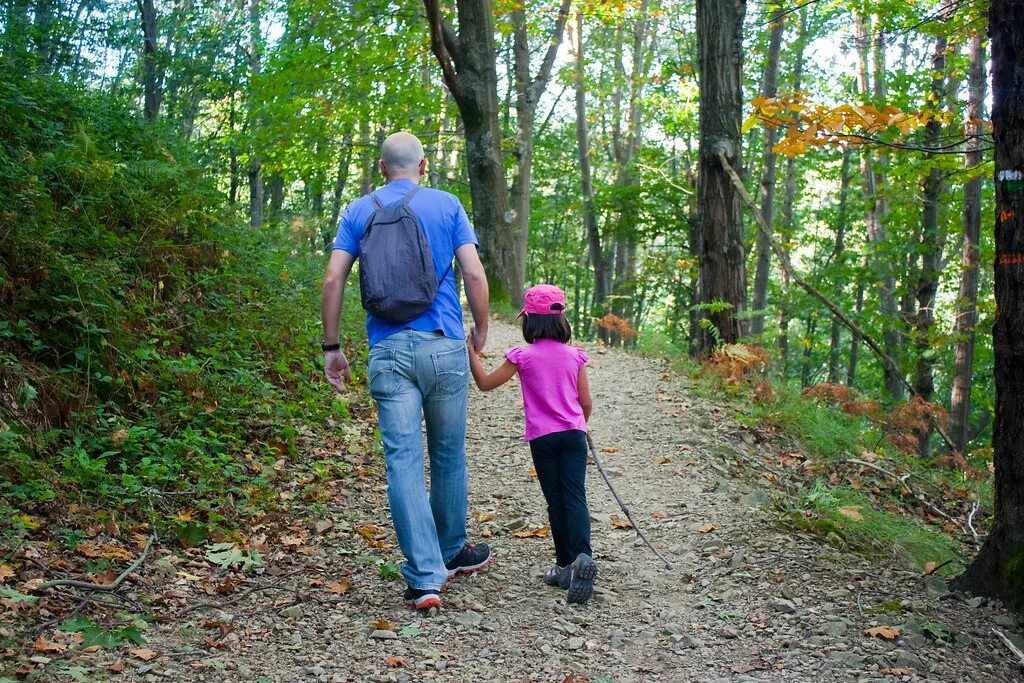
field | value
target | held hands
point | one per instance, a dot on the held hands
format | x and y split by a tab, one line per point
336	370
477	338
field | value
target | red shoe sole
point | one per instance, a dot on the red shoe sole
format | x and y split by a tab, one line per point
424	603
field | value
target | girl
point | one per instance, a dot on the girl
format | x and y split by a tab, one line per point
556	400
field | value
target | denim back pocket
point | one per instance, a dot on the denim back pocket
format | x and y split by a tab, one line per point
383	372
452	370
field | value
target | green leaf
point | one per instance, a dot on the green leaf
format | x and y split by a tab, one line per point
409	631
937	630
79	673
389	571
15	596
227	555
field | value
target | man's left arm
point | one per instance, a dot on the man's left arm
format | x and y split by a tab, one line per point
336	368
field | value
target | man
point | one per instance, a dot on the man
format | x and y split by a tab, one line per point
418	369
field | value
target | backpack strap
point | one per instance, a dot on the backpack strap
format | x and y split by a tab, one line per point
376	201
408	197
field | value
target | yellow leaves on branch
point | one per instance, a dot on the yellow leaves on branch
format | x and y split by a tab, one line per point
808	125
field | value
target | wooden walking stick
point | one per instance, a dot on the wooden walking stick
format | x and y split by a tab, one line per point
622	506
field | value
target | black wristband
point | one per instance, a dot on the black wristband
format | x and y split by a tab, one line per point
330	347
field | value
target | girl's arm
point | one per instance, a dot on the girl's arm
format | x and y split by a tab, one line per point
583	390
486	381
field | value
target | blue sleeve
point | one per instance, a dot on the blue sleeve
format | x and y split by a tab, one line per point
463	231
348	234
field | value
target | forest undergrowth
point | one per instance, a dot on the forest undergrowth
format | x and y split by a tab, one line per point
851	473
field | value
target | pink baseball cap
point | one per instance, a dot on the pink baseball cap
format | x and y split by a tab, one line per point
543	300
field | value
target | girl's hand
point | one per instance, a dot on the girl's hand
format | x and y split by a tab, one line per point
469	345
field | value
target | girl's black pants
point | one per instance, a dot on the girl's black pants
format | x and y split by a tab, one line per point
560	459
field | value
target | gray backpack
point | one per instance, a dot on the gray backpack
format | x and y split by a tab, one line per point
397	279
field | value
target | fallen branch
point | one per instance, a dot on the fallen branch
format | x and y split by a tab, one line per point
938	567
787	266
104	587
1009	643
970	518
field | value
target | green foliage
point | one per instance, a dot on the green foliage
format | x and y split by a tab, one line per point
228	555
847	514
147	345
95	635
825	431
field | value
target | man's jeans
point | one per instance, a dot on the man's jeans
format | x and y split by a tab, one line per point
414	374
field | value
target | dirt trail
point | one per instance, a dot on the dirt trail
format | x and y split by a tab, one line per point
745	601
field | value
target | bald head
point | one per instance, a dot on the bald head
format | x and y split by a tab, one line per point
401	156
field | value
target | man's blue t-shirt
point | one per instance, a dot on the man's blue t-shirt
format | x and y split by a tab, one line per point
447	228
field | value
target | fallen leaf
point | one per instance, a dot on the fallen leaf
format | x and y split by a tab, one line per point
43	645
533	471
851	511
292	540
396	661
929	568
144	654
619	523
339	587
106	578
658	514
663	461
894	671
6	572
482	516
883	632
707	528
609	449
116	667
383	625
539	532
323	525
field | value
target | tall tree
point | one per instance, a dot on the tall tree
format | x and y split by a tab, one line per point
150	67
998	570
720	255
873	167
769	88
838	258
528	91
595	250
467	61
255	54
967	301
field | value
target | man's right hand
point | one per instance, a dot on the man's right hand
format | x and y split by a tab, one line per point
337	370
478	337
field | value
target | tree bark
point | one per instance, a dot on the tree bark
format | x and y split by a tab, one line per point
998	570
933	240
150	67
721	254
769	89
967	302
595	251
838	257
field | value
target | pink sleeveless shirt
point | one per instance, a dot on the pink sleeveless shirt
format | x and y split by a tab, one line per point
548	374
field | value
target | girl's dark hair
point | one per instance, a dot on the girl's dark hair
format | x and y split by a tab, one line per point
549	326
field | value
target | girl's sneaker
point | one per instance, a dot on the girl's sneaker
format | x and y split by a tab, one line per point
582	573
557	576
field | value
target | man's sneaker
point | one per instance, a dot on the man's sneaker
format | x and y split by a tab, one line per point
470	559
421	598
582	573
557	576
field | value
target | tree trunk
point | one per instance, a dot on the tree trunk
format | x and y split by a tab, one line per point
810	327
150	68
933	240
275	194
527	91
42	31
858	307
967	302
998	570
602	282
839	255
768	89
255	163
467	61
340	180
788	227
232	153
721	254
873	169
